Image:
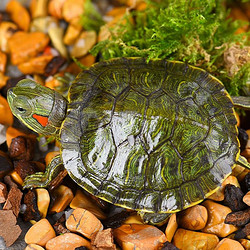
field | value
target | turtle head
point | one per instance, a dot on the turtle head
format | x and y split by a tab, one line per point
38	107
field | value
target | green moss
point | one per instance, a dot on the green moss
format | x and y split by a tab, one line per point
195	31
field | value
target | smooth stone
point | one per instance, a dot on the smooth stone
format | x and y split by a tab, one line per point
83	222
216	217
190	240
136	236
40	233
171	227
67	241
246	198
193	218
229	244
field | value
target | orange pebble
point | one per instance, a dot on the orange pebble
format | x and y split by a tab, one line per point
18	14
7	118
40	233
49	156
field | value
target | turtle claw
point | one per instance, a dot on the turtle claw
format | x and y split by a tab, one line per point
36	180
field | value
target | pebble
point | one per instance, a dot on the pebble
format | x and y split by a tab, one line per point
13	201
43	201
63	196
83	222
34	247
3	192
135	236
186	239
193	218
134	219
7	118
40	233
72	9
67	241
24	46
84	43
245	243
246	198
82	200
5	164
229	244
171	227
103	240
55	8
19	14
219	194
216	216
8	224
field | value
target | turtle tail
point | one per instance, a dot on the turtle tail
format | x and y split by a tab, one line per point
243	162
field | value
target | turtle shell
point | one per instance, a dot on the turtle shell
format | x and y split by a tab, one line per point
155	136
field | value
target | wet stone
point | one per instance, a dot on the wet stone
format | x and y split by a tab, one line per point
233	198
83	222
229	244
171	227
193	218
246	198
205	241
40	233
24	168
136	236
216	216
67	241
3	192
5	164
239	218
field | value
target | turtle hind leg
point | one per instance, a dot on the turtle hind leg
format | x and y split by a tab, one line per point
242	102
243	162
155	218
43	179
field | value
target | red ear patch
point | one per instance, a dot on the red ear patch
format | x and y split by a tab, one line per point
43	120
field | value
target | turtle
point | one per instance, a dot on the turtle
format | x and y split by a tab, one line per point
156	136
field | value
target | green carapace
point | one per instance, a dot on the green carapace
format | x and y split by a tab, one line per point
157	136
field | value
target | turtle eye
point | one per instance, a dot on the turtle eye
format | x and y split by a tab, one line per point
21	110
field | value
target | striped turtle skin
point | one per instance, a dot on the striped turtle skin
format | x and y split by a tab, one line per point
155	136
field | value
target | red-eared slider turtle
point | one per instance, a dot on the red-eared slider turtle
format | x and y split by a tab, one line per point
155	136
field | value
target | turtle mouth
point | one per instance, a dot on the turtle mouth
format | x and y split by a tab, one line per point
10	96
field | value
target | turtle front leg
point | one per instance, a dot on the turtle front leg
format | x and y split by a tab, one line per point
43	179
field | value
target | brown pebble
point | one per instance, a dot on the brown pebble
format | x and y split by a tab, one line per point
233	198
24	168
67	241
3	192
21	148
239	218
216	216
31	212
246	198
13	201
219	194
103	240
136	236
243	232
5	164
184	238
83	222
34	247
40	233
229	244
171	227
193	218
8	229
7	180
169	246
